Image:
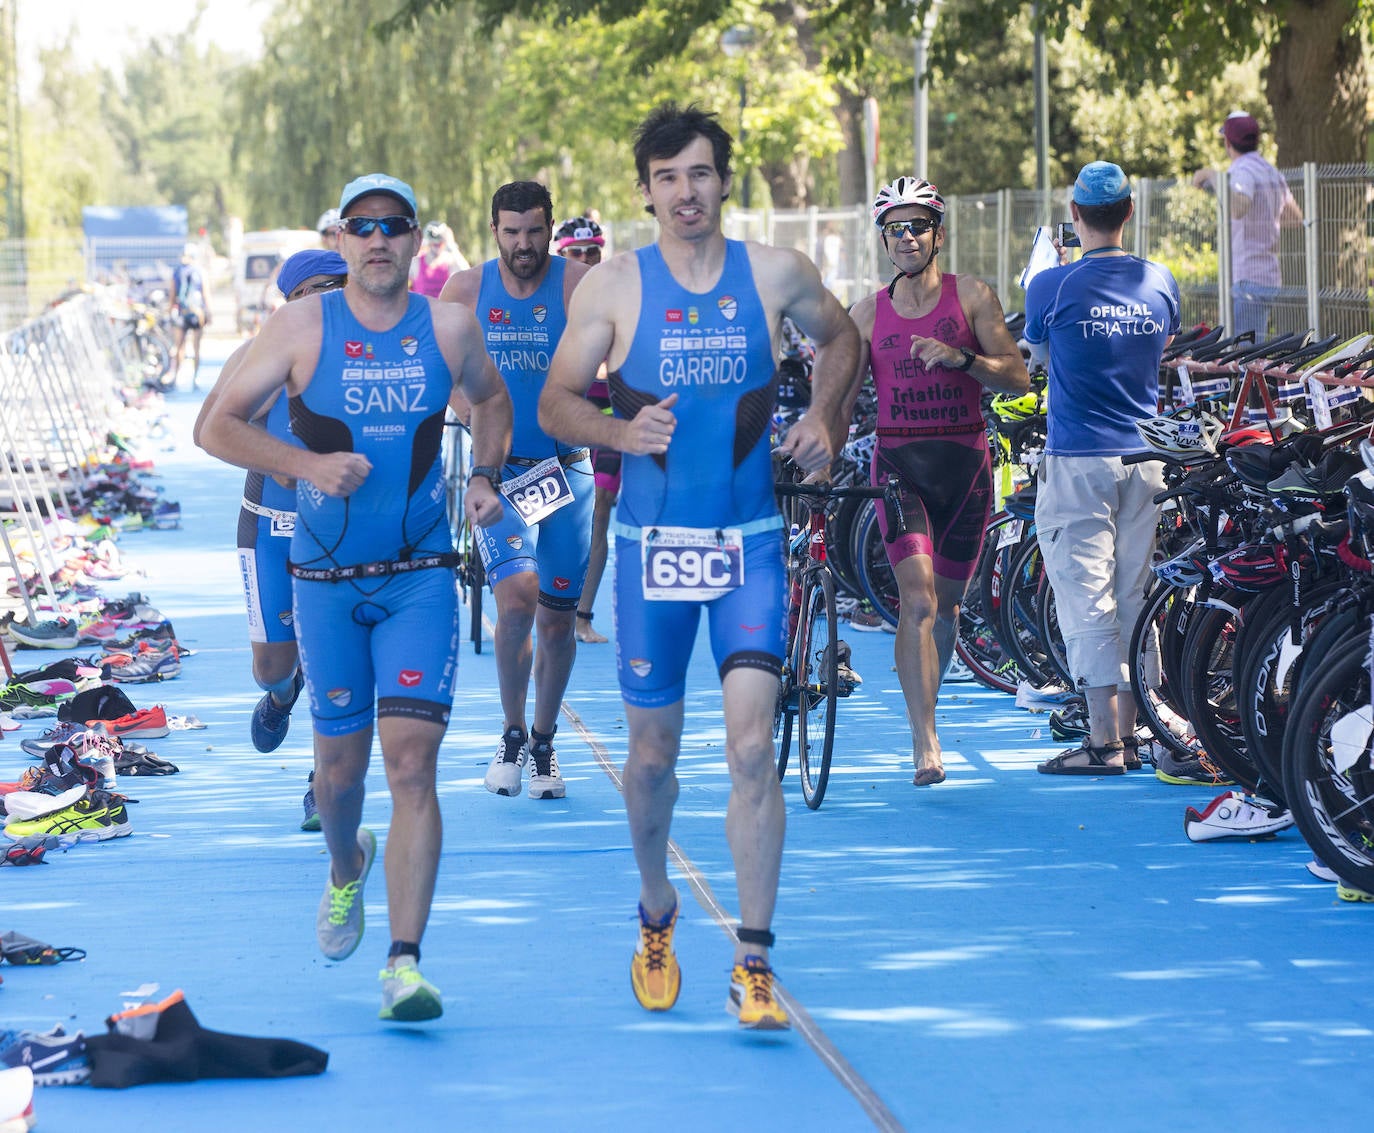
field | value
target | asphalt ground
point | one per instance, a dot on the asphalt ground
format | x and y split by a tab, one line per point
1005	951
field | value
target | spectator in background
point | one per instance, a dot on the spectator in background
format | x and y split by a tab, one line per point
439	258
1261	204
581	239
190	299
328	226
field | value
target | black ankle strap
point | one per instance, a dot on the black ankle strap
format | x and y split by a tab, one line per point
754	936
584	617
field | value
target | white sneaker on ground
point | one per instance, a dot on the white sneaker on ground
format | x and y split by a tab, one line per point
546	781
1234	815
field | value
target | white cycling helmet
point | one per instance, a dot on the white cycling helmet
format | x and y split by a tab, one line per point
1186	431
328	219
860	449
907	191
1185	569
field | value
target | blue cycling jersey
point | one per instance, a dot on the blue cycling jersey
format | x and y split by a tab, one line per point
714	349
521	335
382	394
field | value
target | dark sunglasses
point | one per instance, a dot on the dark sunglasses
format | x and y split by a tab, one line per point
391	226
316	288
912	228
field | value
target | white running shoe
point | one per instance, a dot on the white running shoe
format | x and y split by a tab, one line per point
407	997
1321	871
546	781
339	921
508	764
1234	815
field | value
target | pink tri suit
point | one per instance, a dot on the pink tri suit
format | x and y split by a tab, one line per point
932	439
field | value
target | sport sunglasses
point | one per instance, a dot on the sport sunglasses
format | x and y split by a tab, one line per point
391	226
912	228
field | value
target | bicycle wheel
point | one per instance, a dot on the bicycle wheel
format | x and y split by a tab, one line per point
1210	694
1327	773
1047	625
977	644
817	681
1018	631
783	716
477	582
1155	646
875	572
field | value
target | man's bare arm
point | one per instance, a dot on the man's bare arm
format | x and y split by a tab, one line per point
999	365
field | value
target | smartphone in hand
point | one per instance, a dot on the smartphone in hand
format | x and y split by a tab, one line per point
1067	237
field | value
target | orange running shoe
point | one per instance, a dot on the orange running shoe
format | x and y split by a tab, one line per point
751	997
654	972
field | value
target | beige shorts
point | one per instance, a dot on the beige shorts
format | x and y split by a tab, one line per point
1095	519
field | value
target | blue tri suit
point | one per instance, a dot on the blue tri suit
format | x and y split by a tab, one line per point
382	394
267	518
521	336
715	351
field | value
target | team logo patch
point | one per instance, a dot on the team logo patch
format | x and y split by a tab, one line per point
729	308
340	697
496	315
409	678
640	667
889	343
561	583
514	542
367	351
693	316
353	349
541	313
287	618
672	316
410	344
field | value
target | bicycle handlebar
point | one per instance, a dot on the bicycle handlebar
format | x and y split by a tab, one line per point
829	491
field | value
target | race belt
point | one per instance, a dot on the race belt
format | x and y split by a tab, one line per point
372	570
564	458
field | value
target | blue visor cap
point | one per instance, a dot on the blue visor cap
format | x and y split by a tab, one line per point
377	183
1101	183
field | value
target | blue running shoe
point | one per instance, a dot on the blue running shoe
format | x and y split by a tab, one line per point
56	1059
311	821
271	720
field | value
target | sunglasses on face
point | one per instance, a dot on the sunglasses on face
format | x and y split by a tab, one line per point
318	287
912	228
583	253
391	226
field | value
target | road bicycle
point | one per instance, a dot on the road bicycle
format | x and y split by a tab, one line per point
811	676
471	573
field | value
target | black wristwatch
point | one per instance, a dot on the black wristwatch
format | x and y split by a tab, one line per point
488	472
967	363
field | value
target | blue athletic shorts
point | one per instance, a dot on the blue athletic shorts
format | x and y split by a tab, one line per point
653	640
391	642
264	542
557	547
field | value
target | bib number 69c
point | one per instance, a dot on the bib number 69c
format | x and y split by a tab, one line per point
686	565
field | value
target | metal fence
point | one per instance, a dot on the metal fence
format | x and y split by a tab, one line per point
1327	263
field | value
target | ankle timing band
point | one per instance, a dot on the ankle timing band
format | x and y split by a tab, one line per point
754	936
404	948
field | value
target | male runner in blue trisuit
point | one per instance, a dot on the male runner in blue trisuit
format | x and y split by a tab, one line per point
369	370
688	329
536	559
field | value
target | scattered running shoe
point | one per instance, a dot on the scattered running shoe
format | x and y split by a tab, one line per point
752	1001
97	817
59	733
143	668
1350	893
1234	815
55	1058
149	723
1200	771
271	720
311	821
654	972
867	620
56	633
167	516
546	781
1321	871
339	921
508	764
407	997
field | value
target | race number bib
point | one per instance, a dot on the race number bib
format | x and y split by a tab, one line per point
691	564
538	493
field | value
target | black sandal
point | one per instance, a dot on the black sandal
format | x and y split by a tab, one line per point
1097	760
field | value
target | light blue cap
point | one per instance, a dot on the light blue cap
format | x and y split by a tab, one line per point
376	183
1100	183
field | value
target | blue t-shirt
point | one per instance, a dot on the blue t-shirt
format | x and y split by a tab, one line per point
382	394
521	335
714	350
1107	320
